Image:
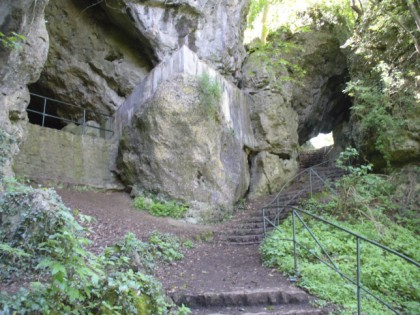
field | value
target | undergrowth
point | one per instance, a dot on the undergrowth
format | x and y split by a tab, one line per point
364	205
48	246
160	207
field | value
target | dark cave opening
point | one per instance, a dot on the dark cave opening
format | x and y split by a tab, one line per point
42	111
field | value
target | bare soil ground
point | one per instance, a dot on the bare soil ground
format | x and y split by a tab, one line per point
208	266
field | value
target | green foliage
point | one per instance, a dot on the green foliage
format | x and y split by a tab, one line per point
385	76
160	208
364	205
73	279
165	246
282	59
345	160
304	15
11	41
210	93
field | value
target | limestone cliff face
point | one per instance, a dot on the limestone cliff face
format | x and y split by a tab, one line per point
211	28
99	53
18	68
290	108
91	63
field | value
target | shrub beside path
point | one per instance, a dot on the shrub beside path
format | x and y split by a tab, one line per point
214	277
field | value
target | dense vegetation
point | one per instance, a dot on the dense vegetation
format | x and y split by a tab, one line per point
382	42
385	77
43	242
364	204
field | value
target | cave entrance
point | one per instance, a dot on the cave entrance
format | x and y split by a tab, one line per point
42	111
317	150
322	140
51	113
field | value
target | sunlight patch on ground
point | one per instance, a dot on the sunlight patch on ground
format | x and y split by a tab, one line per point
322	140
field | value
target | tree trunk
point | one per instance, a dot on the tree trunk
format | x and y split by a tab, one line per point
264	22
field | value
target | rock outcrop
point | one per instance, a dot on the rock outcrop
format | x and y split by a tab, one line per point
19	67
275	123
213	29
100	52
91	63
176	142
318	97
291	107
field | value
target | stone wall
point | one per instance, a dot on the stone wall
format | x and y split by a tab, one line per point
58	156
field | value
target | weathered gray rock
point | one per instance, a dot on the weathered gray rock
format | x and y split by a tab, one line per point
28	215
211	28
318	97
178	147
91	63
19	67
275	123
290	108
269	173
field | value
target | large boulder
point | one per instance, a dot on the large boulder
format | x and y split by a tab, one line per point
184	148
19	67
211	28
91	62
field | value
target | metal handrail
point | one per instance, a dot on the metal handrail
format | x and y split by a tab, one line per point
84	112
275	204
285	185
296	213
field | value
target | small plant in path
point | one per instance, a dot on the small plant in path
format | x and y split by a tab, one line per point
160	208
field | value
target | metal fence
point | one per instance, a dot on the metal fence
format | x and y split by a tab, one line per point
297	215
48	105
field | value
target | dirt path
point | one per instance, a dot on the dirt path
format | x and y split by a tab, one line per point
209	266
114	216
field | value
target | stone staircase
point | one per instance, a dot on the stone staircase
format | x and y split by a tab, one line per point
233	280
281	301
312	178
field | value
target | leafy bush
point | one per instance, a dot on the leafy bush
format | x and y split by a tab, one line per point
160	208
73	280
384	79
364	202
165	246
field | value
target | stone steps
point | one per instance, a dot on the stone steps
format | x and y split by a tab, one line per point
251	229
282	301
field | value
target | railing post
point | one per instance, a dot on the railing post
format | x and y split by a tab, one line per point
359	301
84	121
294	245
44	112
310	180
264	224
